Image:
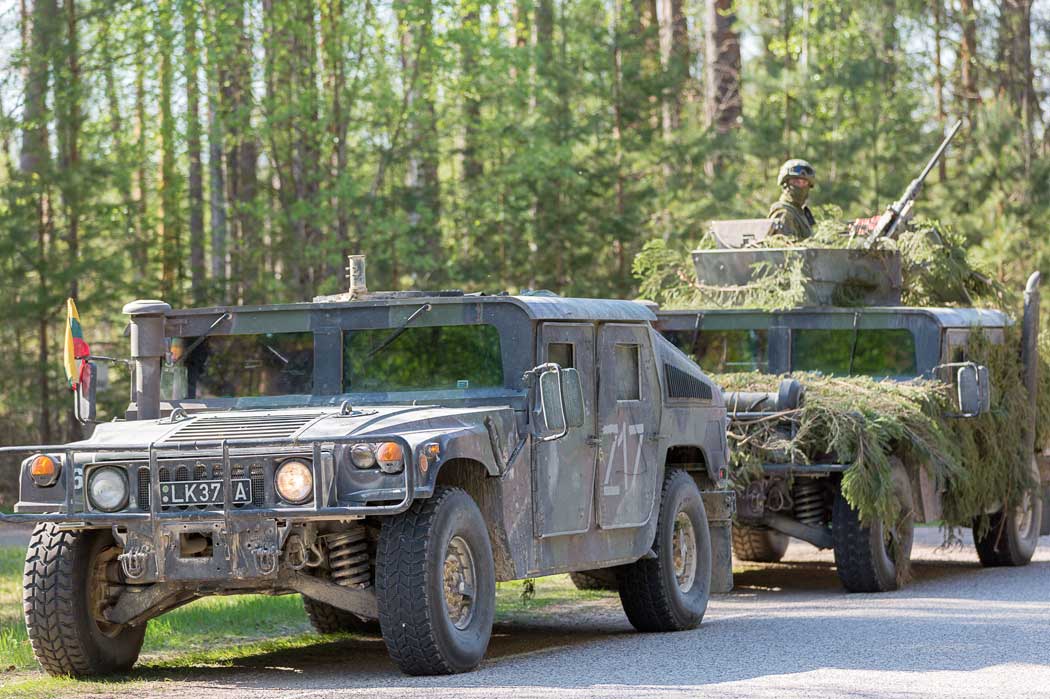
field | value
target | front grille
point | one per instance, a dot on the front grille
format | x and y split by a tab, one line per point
682	384
202	471
241	426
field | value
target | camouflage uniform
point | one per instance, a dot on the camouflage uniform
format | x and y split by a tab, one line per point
791	217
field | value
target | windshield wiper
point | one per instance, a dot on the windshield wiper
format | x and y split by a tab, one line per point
398	331
201	338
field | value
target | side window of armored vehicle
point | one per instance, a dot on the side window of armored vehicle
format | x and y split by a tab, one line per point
877	352
562	354
434	358
231	366
725	350
628	381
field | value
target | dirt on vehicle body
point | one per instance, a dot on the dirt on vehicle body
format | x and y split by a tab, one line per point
390	457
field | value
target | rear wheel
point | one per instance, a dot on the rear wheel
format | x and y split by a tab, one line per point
436	585
70	578
1013	534
759	544
594	580
669	590
874	558
328	619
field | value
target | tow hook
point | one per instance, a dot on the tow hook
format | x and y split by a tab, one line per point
134	560
265	559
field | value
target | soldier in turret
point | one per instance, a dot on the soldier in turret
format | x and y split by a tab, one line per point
791	217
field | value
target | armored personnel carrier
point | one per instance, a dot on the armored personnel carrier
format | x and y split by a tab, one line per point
877	337
388	456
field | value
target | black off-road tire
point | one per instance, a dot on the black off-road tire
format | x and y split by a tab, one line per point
1011	538
866	561
66	638
759	544
414	616
650	591
595	580
328	619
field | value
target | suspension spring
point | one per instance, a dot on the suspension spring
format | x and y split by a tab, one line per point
348	557
809	501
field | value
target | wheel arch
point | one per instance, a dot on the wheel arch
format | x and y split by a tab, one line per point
473	476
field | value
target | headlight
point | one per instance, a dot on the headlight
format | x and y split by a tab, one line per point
294	481
363	456
390	457
44	471
108	488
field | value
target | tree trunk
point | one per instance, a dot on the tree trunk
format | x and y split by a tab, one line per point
421	175
35	166
723	106
1015	75
968	91
674	58
170	220
198	272
938	79
216	170
140	245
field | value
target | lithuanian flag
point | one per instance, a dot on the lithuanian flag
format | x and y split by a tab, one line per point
76	350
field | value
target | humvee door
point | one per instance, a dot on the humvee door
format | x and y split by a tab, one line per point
628	419
564	468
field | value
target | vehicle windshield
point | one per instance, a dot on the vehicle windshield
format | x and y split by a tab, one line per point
878	353
722	351
446	358
228	366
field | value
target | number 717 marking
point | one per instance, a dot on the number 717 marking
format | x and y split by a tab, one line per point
619	447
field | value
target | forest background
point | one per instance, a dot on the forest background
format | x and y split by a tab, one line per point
234	151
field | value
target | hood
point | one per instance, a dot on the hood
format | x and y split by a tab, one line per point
301	423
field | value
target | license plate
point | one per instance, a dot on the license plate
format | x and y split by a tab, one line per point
204	492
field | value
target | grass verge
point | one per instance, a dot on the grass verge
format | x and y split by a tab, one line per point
213	632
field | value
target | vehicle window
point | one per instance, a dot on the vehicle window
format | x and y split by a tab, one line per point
627	378
561	353
882	352
725	350
229	366
422	358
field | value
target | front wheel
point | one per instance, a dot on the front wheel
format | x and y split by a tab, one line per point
70	579
668	591
1012	535
436	585
874	558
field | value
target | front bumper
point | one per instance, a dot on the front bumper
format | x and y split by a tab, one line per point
73	512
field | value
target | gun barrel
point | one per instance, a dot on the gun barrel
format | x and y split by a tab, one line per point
940	151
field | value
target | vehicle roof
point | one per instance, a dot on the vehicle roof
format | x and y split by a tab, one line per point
538	307
945	317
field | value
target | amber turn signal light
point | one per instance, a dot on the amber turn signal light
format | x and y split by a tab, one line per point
390	457
44	471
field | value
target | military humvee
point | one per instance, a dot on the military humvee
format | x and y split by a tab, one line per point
389	457
883	340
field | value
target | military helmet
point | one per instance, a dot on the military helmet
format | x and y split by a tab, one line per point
797	168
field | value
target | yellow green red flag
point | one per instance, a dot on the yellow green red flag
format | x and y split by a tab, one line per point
76	349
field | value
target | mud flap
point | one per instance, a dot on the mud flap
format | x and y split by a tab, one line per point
720	505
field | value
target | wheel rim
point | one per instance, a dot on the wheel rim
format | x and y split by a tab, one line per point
683	548
459	582
99	592
1024	517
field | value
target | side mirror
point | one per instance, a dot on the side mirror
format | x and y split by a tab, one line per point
84	400
975	395
561	401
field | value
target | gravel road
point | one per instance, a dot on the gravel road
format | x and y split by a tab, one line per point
787	630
